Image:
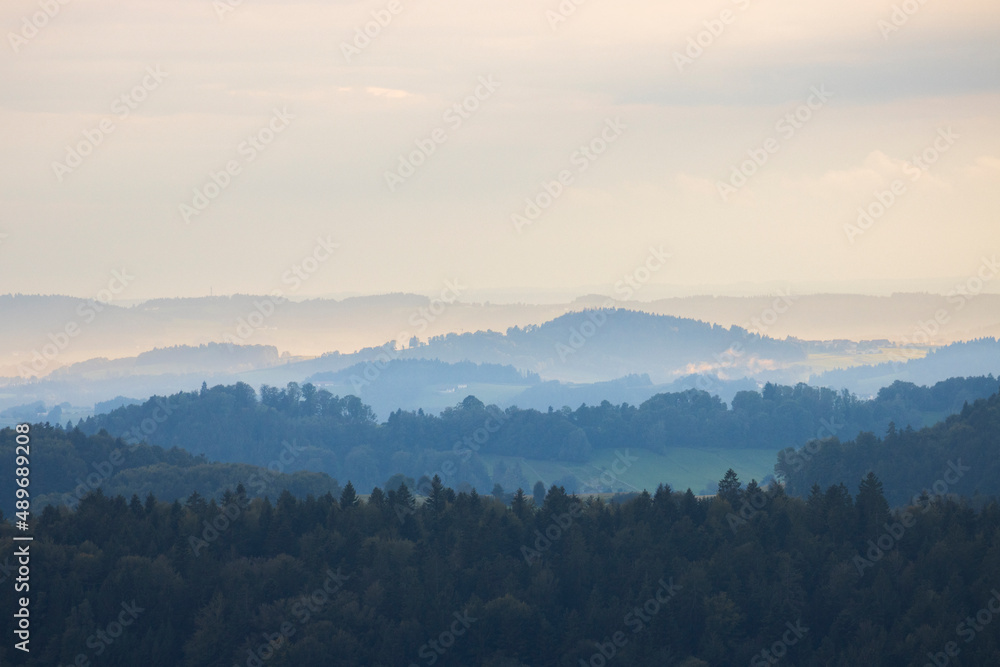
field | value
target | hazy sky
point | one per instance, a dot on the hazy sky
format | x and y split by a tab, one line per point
204	78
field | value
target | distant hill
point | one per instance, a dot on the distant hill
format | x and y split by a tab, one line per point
317	326
114	404
568	361
579	347
431	371
604	344
341	436
973	357
88	387
428	384
208	359
587	346
306	328
633	389
848	316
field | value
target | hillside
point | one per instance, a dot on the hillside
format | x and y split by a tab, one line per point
960	455
316	326
963	358
66	466
342	437
593	346
466	579
589	354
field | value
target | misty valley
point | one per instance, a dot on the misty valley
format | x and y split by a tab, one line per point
442	502
499	334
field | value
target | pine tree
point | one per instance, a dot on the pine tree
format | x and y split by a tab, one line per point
729	488
150	503
520	504
135	505
348	497
436	500
196	503
871	505
405	499
538	493
377	498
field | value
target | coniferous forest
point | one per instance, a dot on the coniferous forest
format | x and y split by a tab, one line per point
500	334
340	435
749	576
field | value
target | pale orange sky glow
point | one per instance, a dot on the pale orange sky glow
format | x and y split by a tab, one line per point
522	149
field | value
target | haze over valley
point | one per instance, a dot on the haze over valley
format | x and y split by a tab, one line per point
386	333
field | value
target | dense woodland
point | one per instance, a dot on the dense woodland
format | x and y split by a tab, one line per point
752	576
960	455
462	579
341	437
65	465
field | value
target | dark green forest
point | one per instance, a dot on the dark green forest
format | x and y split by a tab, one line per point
960	455
750	577
235	574
66	465
341	437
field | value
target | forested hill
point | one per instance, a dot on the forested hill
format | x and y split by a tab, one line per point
666	579
602	344
418	372
960	455
206	359
65	466
340	436
959	358
587	346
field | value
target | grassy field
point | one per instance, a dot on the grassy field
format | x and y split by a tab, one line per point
819	362
682	468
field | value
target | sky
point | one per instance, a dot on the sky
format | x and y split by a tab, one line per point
523	148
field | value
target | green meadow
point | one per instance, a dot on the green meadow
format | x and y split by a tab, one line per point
682	468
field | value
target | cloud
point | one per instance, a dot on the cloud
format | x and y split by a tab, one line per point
876	171
985	167
354	119
389	93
